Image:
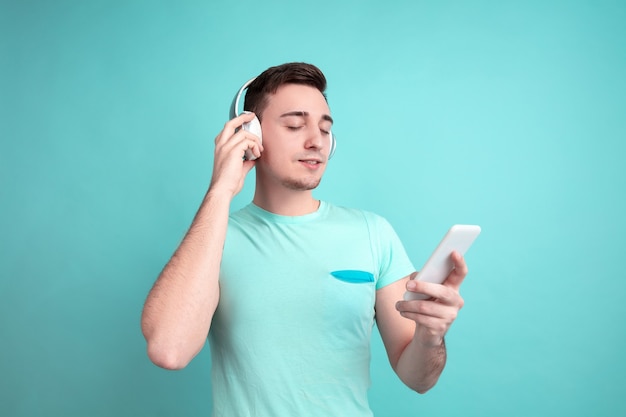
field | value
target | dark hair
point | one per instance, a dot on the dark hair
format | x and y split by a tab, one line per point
272	78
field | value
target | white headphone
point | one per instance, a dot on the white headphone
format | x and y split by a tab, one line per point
254	126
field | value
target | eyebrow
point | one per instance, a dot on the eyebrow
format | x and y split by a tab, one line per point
304	114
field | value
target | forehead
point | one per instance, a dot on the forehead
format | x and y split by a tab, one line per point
291	97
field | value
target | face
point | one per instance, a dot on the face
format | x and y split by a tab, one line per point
296	138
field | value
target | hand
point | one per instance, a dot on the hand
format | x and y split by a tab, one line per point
229	167
435	315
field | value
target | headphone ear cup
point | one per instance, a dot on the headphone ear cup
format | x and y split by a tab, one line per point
254	127
333	145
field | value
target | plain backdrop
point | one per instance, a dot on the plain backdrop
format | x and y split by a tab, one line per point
510	115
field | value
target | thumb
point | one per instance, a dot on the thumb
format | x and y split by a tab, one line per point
456	277
247	167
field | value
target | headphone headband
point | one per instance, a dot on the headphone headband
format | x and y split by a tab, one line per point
234	107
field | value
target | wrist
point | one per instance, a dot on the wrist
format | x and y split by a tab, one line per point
219	193
428	340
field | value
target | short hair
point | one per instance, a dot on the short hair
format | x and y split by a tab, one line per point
268	82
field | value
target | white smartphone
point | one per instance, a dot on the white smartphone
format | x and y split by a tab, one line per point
437	268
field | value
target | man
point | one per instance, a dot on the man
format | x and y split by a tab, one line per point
288	288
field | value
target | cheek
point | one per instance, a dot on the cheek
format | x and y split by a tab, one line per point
277	147
273	155
271	150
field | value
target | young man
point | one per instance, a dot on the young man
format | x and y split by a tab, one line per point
287	289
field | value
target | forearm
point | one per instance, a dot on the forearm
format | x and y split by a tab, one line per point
421	363
178	311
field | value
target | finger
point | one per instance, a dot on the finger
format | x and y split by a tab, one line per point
458	274
430	308
414	286
428	289
236	122
253	143
231	126
239	143
442	293
257	147
434	324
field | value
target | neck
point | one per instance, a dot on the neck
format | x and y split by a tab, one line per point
286	202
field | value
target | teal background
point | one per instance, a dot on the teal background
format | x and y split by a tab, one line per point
511	115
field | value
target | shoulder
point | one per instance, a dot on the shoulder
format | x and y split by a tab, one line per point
240	214
354	213
376	223
243	219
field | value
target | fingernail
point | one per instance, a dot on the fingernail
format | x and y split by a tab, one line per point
411	285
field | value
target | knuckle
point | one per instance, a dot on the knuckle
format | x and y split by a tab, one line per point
449	293
421	308
229	123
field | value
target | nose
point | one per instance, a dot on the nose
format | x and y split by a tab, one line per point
315	138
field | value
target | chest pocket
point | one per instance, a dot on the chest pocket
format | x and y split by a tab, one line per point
353	276
348	310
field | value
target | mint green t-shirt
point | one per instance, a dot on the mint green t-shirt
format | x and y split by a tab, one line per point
291	334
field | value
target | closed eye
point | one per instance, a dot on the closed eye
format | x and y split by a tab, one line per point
294	128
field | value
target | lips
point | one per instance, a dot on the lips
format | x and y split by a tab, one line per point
312	162
311	159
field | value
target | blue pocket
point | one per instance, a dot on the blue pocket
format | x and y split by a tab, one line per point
353	276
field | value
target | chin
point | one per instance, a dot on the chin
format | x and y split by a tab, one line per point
302	184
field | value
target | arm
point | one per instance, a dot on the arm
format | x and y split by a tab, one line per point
416	347
178	311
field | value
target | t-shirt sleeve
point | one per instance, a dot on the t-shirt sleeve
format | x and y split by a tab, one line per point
389	254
